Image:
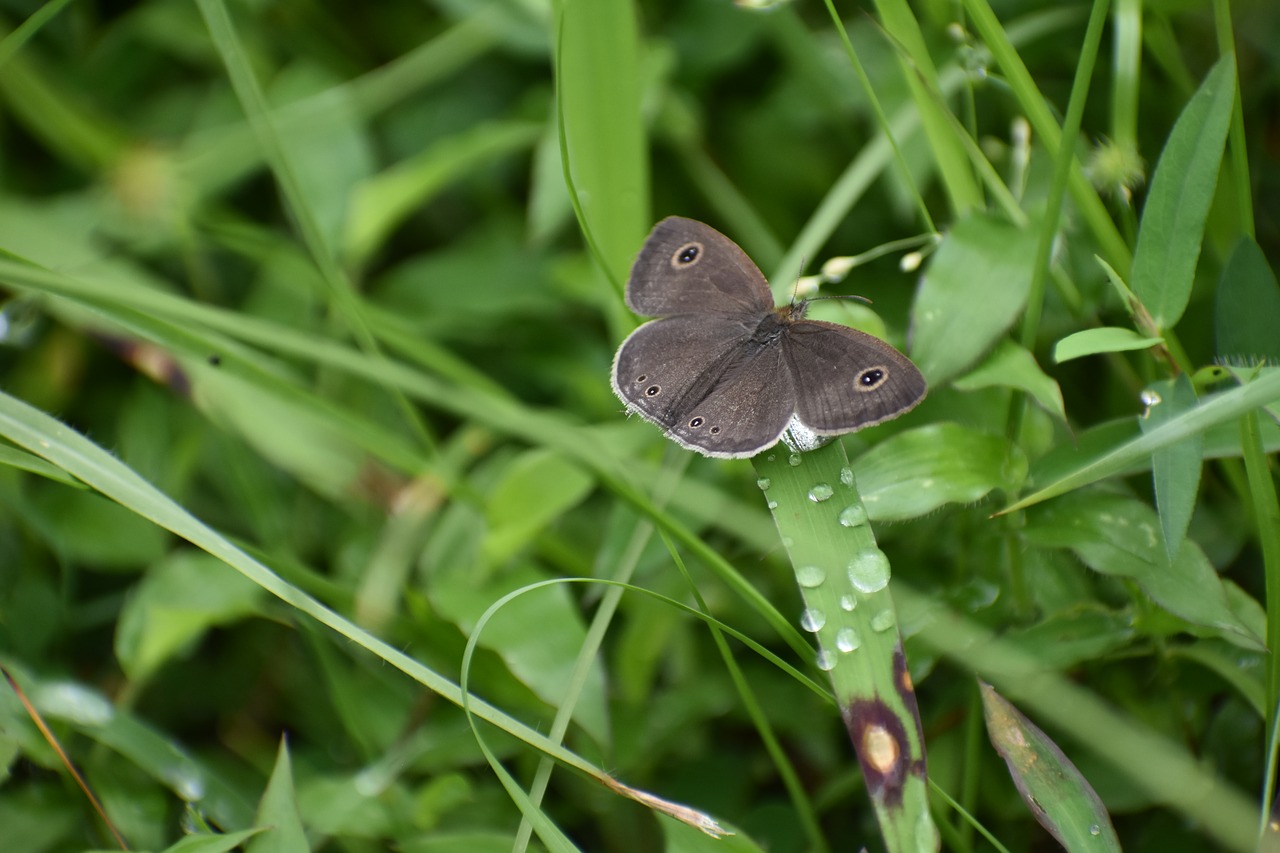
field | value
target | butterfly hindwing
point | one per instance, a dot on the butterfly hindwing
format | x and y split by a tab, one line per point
845	379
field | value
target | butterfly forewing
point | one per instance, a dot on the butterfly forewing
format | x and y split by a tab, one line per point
688	267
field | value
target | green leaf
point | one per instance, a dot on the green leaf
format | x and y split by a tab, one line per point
915	472
180	599
1010	365
1175	468
974	289
1182	187
83	527
1094	341
278	810
1119	536
537	488
1058	795
1083	633
1247	308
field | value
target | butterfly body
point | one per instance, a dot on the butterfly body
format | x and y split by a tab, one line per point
723	372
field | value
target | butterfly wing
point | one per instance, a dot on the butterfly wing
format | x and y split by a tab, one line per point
700	378
688	267
845	379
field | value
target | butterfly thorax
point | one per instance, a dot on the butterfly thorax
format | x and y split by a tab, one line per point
774	324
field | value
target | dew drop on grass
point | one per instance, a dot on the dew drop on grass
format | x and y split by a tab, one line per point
820	493
847	640
810	576
848	603
882	621
854	515
764	483
846	476
869	571
772	504
794	460
825	661
812	620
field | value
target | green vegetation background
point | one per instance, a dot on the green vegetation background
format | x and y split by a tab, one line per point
304	286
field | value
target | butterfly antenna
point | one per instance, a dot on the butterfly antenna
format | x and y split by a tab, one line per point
795	287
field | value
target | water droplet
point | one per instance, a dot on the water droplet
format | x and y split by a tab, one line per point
793	460
787	542
812	620
820	493
1095	830
771	457
810	576
764	483
772	504
883	621
847	640
848	603
869	571
854	515
846	476
825	661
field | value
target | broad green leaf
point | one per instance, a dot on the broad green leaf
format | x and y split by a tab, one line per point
84	527
278	810
1182	187
1094	341
537	488
1119	536
974	289
1058	795
1247	308
1176	468
915	472
179	599
1241	668
1081	634
1010	365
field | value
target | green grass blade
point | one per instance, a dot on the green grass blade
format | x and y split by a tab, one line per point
1213	410
844	580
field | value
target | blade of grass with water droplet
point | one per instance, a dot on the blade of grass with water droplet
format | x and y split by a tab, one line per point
843	578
